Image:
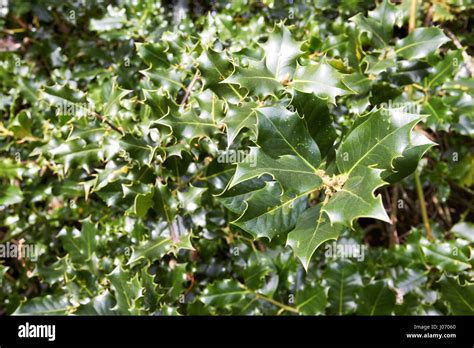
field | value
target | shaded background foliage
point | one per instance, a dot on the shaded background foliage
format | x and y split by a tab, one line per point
100	195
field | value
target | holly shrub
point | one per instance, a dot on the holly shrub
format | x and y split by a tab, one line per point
245	157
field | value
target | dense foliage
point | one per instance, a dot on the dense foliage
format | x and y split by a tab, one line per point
237	158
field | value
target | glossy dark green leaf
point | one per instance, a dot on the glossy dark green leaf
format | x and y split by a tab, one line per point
420	43
47	305
322	80
459	298
376	299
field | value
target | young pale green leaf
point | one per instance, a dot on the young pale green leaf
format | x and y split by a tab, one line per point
143	202
420	43
312	230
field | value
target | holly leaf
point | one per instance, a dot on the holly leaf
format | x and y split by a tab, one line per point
238	118
405	165
11	195
281	132
223	293
344	282
459	298
444	69
113	94
356	199
47	305
188	125
367	151
281	51
127	291
287	152
77	153
153	54
311	300
151	250
312	230
268	213
318	119
376	299
143	202
379	23
215	67
446	256
80	244
420	43
62	94
255	78
464	230
294	175
322	80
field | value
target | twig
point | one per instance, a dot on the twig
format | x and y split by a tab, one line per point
188	89
465	55
416	174
429	15
393	236
421	199
274	302
103	120
412	18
